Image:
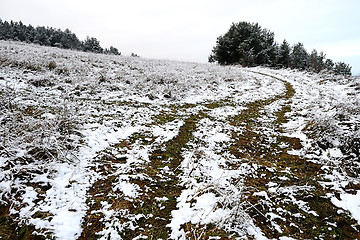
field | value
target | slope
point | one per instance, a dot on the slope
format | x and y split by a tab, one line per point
111	147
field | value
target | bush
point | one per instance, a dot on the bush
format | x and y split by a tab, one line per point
52	65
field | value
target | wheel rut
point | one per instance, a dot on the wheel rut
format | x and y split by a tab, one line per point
283	195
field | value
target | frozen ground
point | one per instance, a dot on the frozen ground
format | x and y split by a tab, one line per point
111	147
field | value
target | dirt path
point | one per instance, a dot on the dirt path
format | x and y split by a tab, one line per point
158	189
283	196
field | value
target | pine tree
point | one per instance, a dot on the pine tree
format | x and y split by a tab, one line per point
42	37
284	58
321	61
246	44
299	57
91	44
317	61
70	41
114	51
250	45
342	68
49	37
6	31
329	64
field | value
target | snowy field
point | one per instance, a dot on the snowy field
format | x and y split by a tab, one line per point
111	147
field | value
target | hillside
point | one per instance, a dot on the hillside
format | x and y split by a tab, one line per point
111	147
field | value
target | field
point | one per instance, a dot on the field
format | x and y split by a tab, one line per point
111	147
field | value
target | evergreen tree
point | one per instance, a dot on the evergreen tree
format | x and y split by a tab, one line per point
329	64
6	31
299	57
342	69
48	37
70	41
284	58
112	51
20	31
246	44
250	45
313	60
317	61
91	44
30	34
321	61
268	49
42	37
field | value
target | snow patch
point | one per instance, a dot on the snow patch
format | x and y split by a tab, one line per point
349	202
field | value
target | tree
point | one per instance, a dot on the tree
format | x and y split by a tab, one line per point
6	32
250	45
342	69
246	44
49	37
317	61
91	44
42	36
284	57
112	50
70	41
329	64
299	57
20	31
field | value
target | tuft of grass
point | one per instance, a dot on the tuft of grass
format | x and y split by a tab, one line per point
10	229
52	65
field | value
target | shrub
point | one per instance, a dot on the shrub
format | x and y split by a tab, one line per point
52	65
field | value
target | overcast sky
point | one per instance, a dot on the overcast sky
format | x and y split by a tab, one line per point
187	29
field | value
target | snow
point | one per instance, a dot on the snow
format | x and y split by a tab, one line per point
139	108
66	224
99	137
349	202
168	131
128	189
65	203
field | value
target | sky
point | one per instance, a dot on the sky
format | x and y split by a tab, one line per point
187	30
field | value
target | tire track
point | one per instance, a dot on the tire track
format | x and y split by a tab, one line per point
285	194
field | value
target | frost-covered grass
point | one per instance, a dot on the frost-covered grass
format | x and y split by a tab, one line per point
112	147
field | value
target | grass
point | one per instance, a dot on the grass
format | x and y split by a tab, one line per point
300	172
288	180
158	184
10	229
275	165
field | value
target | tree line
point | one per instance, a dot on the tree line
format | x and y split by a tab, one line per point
48	36
250	45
